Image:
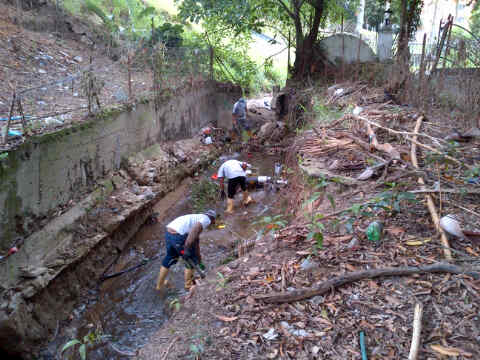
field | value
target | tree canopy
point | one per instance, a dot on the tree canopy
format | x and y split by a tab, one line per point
300	18
475	19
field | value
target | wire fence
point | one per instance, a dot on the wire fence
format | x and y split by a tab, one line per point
47	88
442	74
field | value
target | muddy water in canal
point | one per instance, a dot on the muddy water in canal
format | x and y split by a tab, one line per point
127	310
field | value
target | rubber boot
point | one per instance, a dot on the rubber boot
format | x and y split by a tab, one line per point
161	278
229	206
189	282
247	198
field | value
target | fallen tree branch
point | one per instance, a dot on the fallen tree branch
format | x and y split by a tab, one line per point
414	141
390	130
386	147
428	197
338	281
121	352
165	354
449	191
463	208
417	329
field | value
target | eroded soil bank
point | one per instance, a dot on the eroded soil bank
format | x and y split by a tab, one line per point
57	265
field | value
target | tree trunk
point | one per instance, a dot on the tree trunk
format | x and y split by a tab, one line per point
304	56
397	85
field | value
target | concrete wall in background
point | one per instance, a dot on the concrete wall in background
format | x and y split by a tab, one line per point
49	171
346	47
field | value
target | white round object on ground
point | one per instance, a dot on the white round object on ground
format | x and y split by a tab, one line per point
357	110
451	225
208	140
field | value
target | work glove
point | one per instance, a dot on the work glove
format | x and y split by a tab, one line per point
189	255
222	195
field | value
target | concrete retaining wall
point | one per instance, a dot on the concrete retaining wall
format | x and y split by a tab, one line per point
57	265
47	172
457	87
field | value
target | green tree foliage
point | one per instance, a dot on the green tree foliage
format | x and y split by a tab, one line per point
130	18
475	19
169	34
375	14
303	18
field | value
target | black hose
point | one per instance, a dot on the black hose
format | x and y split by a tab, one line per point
144	262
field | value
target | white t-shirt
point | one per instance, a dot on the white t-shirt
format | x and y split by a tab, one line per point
185	223
231	169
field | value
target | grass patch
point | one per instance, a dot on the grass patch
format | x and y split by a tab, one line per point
204	195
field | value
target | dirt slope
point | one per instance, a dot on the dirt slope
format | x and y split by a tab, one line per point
47	70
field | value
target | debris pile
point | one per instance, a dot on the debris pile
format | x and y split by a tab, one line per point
383	241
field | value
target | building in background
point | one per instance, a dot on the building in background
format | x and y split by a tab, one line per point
435	11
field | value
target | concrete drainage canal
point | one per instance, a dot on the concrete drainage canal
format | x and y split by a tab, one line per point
117	317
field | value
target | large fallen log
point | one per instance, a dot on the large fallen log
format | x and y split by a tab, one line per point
338	281
428	197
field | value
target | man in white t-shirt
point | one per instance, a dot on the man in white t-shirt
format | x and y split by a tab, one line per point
234	171
182	239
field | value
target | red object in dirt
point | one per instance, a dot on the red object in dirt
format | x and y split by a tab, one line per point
12	250
249	155
182	252
215	176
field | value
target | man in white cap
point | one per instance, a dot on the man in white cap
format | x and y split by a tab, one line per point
182	239
235	172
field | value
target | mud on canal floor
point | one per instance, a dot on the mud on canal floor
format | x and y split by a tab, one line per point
122	313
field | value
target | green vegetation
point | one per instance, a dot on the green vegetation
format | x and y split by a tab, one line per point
135	24
204	194
375	13
475	19
175	304
299	21
222	281
389	201
92	338
272	223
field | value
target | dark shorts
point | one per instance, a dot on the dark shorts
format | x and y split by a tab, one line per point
175	244
243	124
233	183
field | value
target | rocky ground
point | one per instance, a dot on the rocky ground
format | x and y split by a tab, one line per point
339	183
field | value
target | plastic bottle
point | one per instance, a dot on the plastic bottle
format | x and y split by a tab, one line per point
374	231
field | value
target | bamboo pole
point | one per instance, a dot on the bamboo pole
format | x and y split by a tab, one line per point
7	127
428	197
422	71
417	329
